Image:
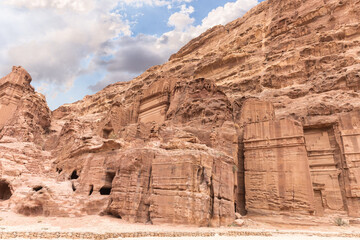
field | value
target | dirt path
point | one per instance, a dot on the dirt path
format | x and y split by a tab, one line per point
14	226
284	237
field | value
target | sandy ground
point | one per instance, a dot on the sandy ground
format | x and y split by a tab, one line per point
274	227
285	237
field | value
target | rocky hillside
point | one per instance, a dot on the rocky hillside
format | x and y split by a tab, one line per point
257	116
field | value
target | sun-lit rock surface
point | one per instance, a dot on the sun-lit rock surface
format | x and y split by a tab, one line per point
258	116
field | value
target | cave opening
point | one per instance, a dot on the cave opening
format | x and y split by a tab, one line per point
73	187
37	188
106	189
5	191
116	215
74	175
91	189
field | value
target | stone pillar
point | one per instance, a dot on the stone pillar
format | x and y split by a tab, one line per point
276	167
252	111
350	135
12	87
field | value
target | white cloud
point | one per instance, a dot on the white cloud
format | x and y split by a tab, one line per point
77	5
140	3
135	54
76	37
131	56
229	12
52	44
183	30
181	20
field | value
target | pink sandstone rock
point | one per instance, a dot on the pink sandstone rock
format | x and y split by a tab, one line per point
259	116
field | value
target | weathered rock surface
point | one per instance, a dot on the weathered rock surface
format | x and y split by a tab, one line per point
258	116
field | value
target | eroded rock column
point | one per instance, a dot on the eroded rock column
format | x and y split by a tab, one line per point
350	135
277	175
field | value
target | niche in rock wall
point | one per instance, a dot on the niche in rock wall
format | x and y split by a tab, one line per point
5	191
37	188
319	205
324	159
74	175
73	187
108	133
91	189
153	108
109	177
106	189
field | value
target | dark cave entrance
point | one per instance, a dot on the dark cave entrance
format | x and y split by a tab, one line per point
74	175
106	189
37	188
5	191
91	189
73	187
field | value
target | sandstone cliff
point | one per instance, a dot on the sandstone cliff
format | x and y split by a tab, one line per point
257	116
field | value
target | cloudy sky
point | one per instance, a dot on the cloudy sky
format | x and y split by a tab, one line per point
73	48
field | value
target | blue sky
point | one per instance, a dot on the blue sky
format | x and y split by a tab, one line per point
73	48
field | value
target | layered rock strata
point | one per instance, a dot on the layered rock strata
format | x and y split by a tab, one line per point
294	167
259	116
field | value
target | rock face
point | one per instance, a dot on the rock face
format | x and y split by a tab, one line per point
149	157
259	116
277	174
12	88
